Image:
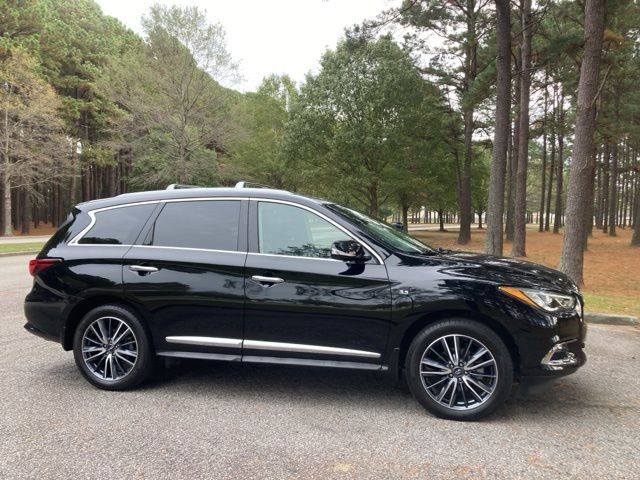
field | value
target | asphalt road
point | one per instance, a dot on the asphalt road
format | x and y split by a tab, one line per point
210	420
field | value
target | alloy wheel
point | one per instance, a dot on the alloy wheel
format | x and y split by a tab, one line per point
109	348
459	372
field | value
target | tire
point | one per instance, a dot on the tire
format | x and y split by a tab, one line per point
476	385
112	348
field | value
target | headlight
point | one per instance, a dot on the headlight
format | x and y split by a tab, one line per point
547	301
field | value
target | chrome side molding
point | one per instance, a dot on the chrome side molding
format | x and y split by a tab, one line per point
301	348
272	346
206	341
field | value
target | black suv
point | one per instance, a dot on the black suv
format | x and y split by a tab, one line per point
267	276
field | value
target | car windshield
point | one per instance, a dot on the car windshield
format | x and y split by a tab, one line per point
382	232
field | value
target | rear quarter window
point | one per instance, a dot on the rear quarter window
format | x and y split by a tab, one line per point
117	226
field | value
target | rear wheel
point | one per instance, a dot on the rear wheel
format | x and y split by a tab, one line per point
112	349
459	369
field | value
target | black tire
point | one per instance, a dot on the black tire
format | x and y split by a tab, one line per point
140	367
502	366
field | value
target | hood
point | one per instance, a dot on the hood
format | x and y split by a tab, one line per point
509	271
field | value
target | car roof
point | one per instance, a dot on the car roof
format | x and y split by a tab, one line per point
156	195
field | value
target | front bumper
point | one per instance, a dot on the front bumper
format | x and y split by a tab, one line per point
561	357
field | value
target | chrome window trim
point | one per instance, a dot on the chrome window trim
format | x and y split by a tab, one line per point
190	249
92	216
324	217
272	346
294	256
205	341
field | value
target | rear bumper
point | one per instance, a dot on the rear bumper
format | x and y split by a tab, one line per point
39	333
45	314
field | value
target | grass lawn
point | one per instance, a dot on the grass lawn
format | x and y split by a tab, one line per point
34	247
612	267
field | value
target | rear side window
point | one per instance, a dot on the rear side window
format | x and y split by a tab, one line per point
118	226
212	225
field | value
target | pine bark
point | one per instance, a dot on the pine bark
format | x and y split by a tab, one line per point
520	220
495	208
557	219
543	179
572	258
613	191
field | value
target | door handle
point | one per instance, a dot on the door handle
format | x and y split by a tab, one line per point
142	268
262	280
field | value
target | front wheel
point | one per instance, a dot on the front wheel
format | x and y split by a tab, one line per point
459	369
112	349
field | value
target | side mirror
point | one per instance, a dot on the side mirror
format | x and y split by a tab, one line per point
349	251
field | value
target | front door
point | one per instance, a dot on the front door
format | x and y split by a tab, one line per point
304	307
187	272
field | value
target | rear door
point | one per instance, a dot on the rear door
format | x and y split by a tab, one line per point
187	272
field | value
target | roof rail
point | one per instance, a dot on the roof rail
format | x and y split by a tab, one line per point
251	185
178	186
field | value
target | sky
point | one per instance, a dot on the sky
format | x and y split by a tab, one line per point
268	36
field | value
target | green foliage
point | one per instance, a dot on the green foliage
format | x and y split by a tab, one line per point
256	148
366	126
32	142
177	114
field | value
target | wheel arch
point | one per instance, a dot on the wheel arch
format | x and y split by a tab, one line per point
427	319
84	306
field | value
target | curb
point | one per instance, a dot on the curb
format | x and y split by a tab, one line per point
606	319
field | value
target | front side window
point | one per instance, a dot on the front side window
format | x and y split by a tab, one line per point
117	226
289	230
206	224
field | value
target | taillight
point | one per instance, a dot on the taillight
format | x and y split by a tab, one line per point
37	265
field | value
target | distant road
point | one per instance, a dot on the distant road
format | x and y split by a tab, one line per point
27	239
44	238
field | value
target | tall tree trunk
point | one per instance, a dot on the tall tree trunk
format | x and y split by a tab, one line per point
6	192
73	180
405	217
441	220
6	181
470	74
520	221
464	235
599	190
511	178
635	237
515	147
544	154
25	212
605	187
557	220
373	199
588	212
613	190
552	164
495	208
572	258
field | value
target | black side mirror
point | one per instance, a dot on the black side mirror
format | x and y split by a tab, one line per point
349	251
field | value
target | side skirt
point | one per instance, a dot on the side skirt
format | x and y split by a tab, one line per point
305	362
